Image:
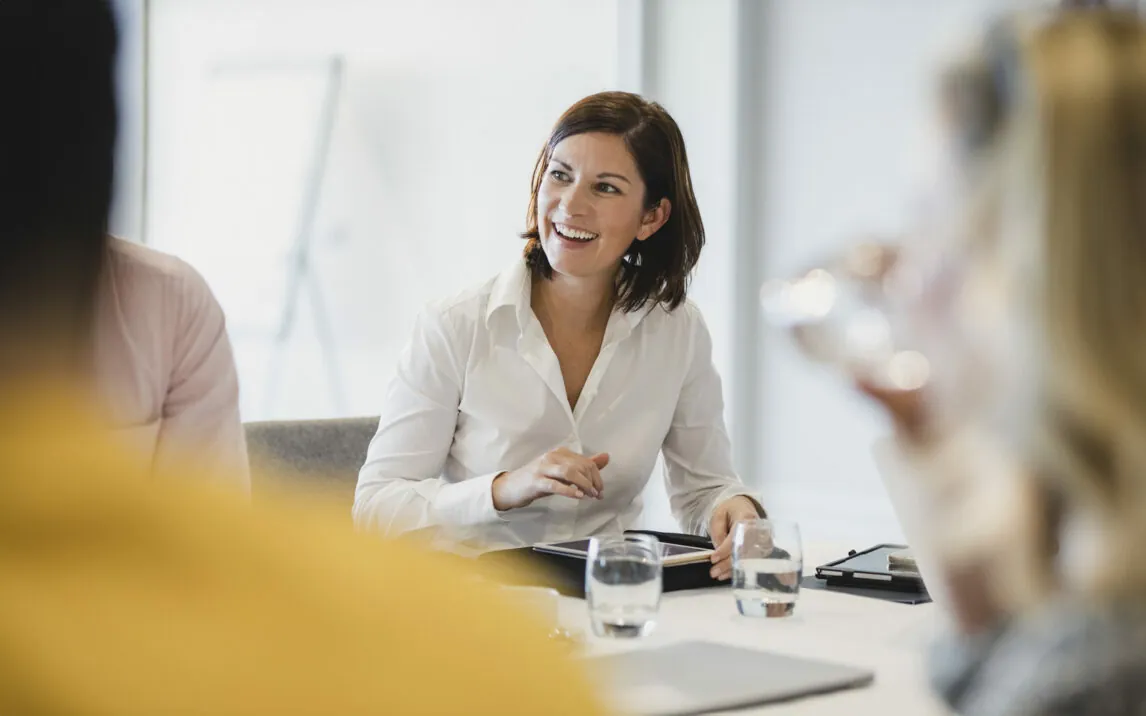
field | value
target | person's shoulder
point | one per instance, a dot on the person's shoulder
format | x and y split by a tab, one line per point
685	319
138	261
470	301
137	268
462	311
152	291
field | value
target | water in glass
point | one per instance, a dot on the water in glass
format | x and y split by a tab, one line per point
767	564
767	586
623	585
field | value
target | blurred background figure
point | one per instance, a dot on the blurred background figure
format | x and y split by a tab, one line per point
1029	454
164	366
127	595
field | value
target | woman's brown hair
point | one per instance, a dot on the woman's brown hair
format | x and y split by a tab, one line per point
658	269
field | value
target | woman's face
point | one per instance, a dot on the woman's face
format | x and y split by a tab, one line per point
591	205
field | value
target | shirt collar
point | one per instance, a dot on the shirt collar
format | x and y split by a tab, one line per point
626	323
513	288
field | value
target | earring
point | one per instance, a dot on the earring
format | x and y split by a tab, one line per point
633	255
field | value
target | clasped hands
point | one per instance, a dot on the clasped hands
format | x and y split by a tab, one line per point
564	472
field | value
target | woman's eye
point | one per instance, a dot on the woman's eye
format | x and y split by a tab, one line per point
558	175
607	188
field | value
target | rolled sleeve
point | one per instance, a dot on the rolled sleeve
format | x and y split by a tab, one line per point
400	486
697	450
468	503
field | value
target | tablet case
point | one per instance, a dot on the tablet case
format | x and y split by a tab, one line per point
566	572
886	595
835	574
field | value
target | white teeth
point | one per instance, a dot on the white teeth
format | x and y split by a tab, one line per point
572	233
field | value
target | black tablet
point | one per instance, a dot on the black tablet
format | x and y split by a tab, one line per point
871	568
671	554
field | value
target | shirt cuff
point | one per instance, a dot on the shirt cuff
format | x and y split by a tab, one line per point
727	494
468	503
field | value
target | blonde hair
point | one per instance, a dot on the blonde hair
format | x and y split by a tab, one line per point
1052	115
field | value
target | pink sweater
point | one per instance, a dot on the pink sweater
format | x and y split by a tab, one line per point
164	364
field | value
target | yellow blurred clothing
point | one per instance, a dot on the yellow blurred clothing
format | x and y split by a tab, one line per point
124	594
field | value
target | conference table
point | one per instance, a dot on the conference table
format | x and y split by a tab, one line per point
888	638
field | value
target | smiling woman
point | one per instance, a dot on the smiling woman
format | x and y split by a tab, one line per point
532	408
618	146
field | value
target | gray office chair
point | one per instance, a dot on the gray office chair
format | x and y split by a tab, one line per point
315	456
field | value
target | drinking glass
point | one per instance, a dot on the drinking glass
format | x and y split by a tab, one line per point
623	585
767	564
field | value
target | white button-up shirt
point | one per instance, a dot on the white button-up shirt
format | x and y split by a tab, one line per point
479	391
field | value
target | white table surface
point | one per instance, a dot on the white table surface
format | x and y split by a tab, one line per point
887	638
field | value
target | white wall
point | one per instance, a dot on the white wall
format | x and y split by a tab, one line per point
846	89
444	108
690	69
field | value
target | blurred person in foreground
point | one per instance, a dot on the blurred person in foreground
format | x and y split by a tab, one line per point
1028	456
125	595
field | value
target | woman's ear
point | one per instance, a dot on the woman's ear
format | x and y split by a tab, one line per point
654	219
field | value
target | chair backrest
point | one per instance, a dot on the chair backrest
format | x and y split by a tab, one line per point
309	455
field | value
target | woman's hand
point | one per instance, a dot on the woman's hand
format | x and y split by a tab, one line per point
727	514
559	472
973	499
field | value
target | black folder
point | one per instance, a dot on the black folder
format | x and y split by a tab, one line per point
566	573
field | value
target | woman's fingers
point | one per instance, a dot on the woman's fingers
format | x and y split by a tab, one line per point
576	470
586	467
718	528
595	476
723	550
722	570
597	480
722	560
548	485
573	474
